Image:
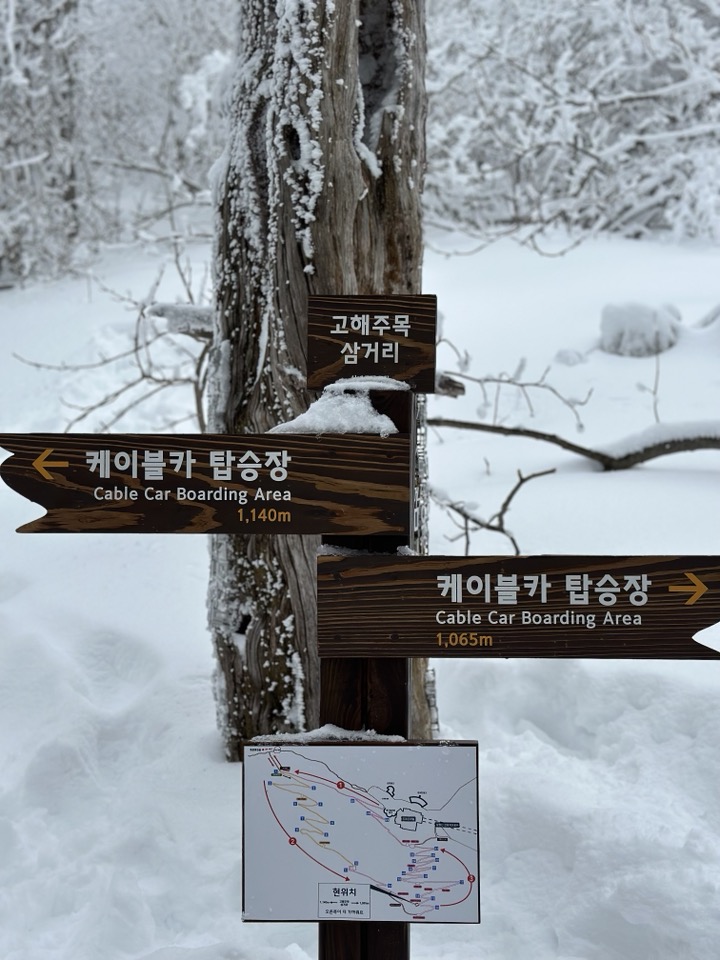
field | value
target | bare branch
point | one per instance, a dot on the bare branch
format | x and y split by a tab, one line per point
468	522
155	360
638	449
525	386
75	367
158	171
191	320
499	517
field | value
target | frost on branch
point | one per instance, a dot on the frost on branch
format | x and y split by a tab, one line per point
598	116
187	318
636	330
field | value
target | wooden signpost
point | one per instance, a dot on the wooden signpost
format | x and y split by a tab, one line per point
377	610
354	488
273	483
546	606
359	693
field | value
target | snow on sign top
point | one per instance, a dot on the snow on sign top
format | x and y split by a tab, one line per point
361	831
392	336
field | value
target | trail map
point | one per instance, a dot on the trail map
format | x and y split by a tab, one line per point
361	832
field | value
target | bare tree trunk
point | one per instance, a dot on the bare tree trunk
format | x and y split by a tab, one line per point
320	194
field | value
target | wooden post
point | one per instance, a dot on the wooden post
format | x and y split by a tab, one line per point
369	694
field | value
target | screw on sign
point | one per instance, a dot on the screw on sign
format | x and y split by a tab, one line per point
599	607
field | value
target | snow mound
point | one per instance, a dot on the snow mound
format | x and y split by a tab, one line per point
329	732
605	781
345	407
346	413
636	330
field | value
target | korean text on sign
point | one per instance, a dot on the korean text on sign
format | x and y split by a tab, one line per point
579	588
373	326
153	464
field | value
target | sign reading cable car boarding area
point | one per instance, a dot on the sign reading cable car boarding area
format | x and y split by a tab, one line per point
544	606
181	483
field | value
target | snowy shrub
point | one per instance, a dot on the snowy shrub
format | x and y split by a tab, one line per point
598	116
91	89
636	330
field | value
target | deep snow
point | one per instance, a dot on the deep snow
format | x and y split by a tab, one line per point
600	782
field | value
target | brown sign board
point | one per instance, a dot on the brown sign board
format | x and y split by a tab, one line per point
383	336
355	484
544	606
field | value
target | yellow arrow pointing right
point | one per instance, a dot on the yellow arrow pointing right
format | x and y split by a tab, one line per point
697	589
41	463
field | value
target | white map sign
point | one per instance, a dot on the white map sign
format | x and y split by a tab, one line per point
361	831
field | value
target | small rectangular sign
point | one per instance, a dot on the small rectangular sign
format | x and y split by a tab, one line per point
367	830
344	901
388	336
354	484
546	606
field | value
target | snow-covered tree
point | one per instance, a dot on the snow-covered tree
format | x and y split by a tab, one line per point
599	115
102	106
152	120
39	211
318	192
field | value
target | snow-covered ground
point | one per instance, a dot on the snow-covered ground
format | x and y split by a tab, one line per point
600	782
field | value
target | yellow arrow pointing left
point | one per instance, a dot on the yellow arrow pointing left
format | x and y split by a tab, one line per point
41	463
697	589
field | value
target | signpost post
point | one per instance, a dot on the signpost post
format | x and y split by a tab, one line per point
371	336
370	694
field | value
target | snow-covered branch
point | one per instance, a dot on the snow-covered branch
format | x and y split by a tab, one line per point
186	318
658	440
557	115
467	521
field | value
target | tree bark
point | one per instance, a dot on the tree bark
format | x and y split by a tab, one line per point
320	193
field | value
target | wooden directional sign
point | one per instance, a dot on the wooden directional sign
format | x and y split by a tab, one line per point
546	606
373	336
274	483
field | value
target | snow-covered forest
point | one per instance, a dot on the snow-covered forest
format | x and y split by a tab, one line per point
572	216
596	118
601	117
110	114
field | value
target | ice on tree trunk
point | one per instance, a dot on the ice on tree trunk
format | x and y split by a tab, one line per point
299	211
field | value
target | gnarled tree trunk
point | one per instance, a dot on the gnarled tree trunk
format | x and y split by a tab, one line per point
319	192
